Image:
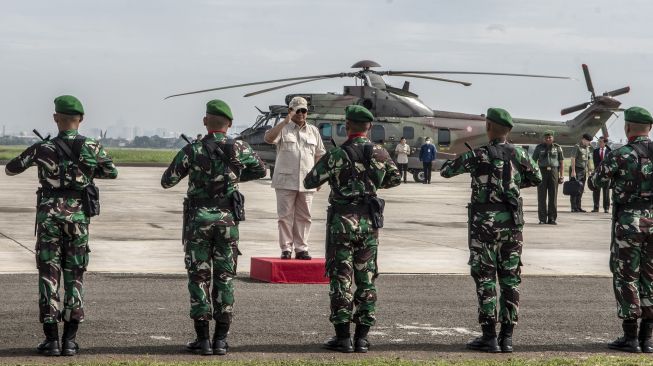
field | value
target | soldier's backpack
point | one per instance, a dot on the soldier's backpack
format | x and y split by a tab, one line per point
644	150
505	153
91	194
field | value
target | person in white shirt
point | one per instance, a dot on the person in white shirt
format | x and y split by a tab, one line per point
402	150
299	146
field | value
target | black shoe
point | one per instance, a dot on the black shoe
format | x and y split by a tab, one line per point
486	342
50	346
628	342
574	210
607	210
361	344
303	255
541	222
342	341
581	210
68	345
595	209
202	343
220	345
505	337
553	222
645	333
286	255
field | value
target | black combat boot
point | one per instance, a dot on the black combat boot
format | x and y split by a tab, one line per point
505	337
645	332
361	344
486	342
342	341
203	341
220	345
50	346
629	341
68	345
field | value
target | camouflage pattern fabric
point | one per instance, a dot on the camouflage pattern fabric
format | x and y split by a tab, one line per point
631	247
495	241
62	226
211	233
353	242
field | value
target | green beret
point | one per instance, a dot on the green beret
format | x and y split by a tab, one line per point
67	104
358	113
217	107
638	115
499	116
549	133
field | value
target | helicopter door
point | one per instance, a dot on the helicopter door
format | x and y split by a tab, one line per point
444	137
378	134
326	131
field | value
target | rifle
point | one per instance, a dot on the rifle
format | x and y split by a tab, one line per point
39	193
186	138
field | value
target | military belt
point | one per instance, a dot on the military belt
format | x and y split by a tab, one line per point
361	209
60	193
223	203
491	207
640	205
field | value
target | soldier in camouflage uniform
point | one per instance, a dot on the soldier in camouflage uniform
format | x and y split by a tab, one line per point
629	171
498	172
355	171
62	224
214	166
578	169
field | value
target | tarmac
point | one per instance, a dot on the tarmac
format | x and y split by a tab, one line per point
139	229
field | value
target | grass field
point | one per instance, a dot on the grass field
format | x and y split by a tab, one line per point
119	155
591	361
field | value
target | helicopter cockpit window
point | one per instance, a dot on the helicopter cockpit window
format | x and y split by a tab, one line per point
341	130
378	133
444	137
325	130
408	133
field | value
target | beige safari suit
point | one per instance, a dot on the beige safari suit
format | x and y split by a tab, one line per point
297	151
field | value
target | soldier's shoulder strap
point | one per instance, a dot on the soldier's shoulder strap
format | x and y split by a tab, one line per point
644	149
70	152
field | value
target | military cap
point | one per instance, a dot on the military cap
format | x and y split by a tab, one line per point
638	115
217	107
67	104
358	113
499	116
549	133
587	136
298	103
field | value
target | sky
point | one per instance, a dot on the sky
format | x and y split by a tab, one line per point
122	57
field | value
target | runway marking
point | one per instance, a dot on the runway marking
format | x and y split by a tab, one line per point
398	340
161	338
437	331
377	333
17	242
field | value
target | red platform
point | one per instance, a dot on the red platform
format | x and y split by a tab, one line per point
277	270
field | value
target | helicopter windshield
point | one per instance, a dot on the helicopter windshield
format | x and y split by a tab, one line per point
375	80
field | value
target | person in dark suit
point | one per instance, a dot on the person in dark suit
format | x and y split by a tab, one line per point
600	153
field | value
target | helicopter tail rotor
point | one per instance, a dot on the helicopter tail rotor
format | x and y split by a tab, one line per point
606	99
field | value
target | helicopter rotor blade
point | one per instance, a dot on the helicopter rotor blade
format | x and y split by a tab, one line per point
575	108
473	73
616	92
588	80
342	74
465	83
283	86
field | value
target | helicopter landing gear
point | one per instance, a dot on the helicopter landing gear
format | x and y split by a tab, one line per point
418	175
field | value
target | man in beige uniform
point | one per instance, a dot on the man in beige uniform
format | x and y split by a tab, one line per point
299	146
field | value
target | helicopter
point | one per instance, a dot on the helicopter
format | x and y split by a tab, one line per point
400	113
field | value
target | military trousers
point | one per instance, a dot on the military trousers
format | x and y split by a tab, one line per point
351	258
631	264
576	201
495	253
548	211
61	246
211	255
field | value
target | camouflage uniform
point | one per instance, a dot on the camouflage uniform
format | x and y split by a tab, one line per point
210	231
352	241
582	155
495	241
631	261
62	226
